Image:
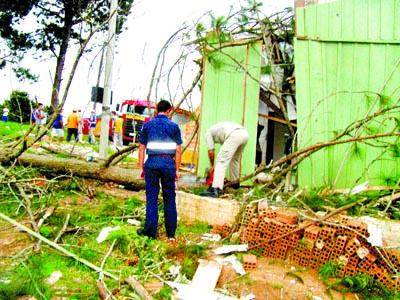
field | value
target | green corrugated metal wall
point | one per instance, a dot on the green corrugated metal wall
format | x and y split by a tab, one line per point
229	93
343	50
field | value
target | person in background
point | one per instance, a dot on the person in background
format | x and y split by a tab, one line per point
117	137
58	127
4	117
80	125
113	117
38	116
92	127
161	139
72	125
233	138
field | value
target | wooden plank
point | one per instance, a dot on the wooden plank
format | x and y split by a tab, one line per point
310	20
322	21
335	26
347	19
303	107
387	19
317	109
374	20
300	12
360	19
396	22
331	69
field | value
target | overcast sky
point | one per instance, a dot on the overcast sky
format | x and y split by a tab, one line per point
149	26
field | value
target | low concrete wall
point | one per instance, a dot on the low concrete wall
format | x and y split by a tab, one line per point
192	208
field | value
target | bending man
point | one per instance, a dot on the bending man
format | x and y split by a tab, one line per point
233	138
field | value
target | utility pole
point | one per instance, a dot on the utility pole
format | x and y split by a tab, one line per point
99	76
105	117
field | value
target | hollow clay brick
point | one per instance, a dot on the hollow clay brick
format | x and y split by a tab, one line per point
364	264
254	222
312	232
287	217
270	213
352	245
327	233
295	257
262	208
249	262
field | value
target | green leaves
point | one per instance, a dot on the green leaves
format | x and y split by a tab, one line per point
329	270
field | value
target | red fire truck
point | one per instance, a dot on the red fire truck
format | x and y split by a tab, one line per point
135	113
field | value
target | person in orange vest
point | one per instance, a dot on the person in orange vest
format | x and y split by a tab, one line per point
118	123
72	125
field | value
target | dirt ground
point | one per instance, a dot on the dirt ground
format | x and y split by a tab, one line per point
272	280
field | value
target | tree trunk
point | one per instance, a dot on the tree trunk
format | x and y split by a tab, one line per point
81	168
61	60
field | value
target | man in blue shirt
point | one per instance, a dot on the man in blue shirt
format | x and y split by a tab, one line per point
161	139
58	127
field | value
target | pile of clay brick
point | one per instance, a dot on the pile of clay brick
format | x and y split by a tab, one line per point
280	234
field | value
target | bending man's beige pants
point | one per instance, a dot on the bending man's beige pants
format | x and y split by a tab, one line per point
230	154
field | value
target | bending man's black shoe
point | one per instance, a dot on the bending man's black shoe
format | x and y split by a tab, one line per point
236	186
141	232
212	192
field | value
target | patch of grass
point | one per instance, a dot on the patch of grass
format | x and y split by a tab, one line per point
195	228
29	278
365	286
123	239
164	293
111	207
132	203
189	267
46	231
12	130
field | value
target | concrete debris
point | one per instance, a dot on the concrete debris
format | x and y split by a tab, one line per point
105	232
207	274
231	248
188	292
203	283
234	262
212	237
375	235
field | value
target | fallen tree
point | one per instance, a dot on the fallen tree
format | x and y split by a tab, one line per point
83	169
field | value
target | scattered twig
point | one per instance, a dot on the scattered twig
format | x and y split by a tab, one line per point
48	213
105	258
63	229
138	288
